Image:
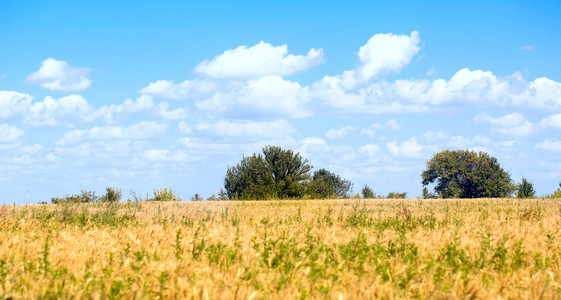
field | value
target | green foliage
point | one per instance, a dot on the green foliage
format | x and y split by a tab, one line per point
197	197
556	194
165	194
426	194
222	195
325	184
367	192
396	195
112	195
525	189
84	197
275	174
466	174
212	198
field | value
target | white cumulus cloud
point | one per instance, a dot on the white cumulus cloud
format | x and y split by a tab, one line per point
138	131
409	148
547	145
339	133
162	155
382	54
175	114
553	121
109	113
248	129
58	75
257	61
512	124
184	127
385	53
270	95
13	103
188	89
9	133
53	112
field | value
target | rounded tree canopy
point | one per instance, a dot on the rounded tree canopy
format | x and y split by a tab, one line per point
466	174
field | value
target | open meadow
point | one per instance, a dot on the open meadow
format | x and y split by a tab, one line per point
340	249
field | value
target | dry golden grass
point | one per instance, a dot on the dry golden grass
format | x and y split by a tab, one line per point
492	248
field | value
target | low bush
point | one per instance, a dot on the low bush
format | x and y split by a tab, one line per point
396	195
165	194
84	197
112	195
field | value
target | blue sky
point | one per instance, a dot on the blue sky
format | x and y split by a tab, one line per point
142	95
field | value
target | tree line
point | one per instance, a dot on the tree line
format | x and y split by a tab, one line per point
284	174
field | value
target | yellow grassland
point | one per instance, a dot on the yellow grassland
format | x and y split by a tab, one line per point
335	249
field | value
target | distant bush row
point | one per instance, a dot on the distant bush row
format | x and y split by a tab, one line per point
114	195
284	174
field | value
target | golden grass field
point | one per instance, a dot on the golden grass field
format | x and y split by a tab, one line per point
340	249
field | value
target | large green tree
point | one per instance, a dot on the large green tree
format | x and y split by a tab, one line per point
276	173
525	189
326	184
466	174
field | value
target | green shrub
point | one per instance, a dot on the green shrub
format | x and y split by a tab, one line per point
165	194
556	194
427	194
396	195
367	192
325	184
525	189
112	195
84	197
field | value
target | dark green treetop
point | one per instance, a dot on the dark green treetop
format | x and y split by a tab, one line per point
326	184
525	189
466	174
276	173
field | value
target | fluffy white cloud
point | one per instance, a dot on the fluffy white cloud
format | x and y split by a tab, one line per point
480	87
188	89
110	113
547	145
311	145
409	148
510	120
13	103
71	137
184	127
466	88
551	121
270	95
382	54
374	128
376	98
53	112
9	133
162	155
385	53
260	60
248	129
58	75
355	91
142	130
476	143
339	133
512	124
176	114
370	150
